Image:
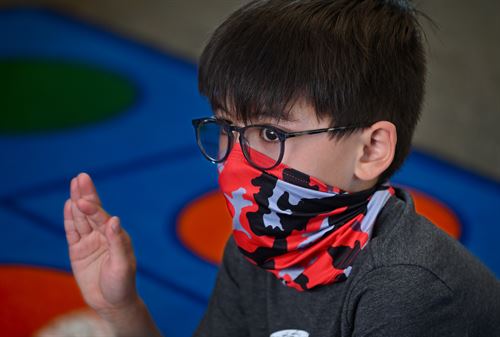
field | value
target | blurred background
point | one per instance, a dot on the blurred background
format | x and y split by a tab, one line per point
109	87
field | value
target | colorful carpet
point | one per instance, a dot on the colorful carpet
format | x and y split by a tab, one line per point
76	98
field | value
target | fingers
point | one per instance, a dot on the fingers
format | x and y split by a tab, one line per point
71	233
94	212
86	210
87	188
80	222
119	241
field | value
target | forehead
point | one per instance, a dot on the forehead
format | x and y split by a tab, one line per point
286	124
300	113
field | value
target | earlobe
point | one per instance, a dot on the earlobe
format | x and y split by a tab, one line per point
377	148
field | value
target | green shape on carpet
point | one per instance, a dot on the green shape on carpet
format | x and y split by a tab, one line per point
46	95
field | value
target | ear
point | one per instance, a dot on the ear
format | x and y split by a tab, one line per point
377	148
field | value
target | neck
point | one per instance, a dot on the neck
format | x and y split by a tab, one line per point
356	185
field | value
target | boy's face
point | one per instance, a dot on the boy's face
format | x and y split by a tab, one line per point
329	160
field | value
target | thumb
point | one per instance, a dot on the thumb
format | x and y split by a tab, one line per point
118	240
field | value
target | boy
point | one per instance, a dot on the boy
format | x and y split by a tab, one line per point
315	105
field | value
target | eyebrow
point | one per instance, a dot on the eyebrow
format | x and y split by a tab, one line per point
223	114
281	127
264	120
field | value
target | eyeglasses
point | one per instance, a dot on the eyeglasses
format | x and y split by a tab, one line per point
263	145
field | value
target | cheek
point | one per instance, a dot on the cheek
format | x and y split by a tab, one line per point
322	160
336	169
331	166
296	157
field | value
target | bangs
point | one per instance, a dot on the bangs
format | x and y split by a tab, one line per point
258	64
355	62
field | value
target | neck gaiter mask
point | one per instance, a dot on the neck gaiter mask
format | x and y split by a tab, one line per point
293	225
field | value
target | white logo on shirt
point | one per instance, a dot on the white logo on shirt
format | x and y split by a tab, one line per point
290	333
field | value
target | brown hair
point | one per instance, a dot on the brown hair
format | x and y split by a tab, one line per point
355	61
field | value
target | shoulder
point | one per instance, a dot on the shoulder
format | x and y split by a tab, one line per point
404	237
403	300
414	271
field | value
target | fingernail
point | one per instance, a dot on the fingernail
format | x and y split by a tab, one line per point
115	225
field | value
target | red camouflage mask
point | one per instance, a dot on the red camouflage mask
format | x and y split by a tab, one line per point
300	229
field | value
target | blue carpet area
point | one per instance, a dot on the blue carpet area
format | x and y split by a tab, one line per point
146	166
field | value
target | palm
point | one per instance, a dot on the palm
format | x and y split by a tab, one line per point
104	266
88	258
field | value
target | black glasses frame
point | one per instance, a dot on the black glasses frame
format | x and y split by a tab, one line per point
282	136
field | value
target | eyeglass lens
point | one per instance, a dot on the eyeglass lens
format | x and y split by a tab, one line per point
261	145
213	140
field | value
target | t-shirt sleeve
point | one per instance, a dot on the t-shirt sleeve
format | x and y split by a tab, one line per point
405	300
224	315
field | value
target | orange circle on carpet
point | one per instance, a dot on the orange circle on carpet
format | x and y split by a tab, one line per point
205	224
32	296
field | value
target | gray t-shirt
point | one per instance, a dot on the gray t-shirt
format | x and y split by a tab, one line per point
411	279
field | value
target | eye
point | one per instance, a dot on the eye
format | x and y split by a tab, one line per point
269	135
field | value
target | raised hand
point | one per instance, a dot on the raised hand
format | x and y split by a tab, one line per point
100	250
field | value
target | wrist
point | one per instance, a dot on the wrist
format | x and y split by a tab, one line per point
123	311
131	319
